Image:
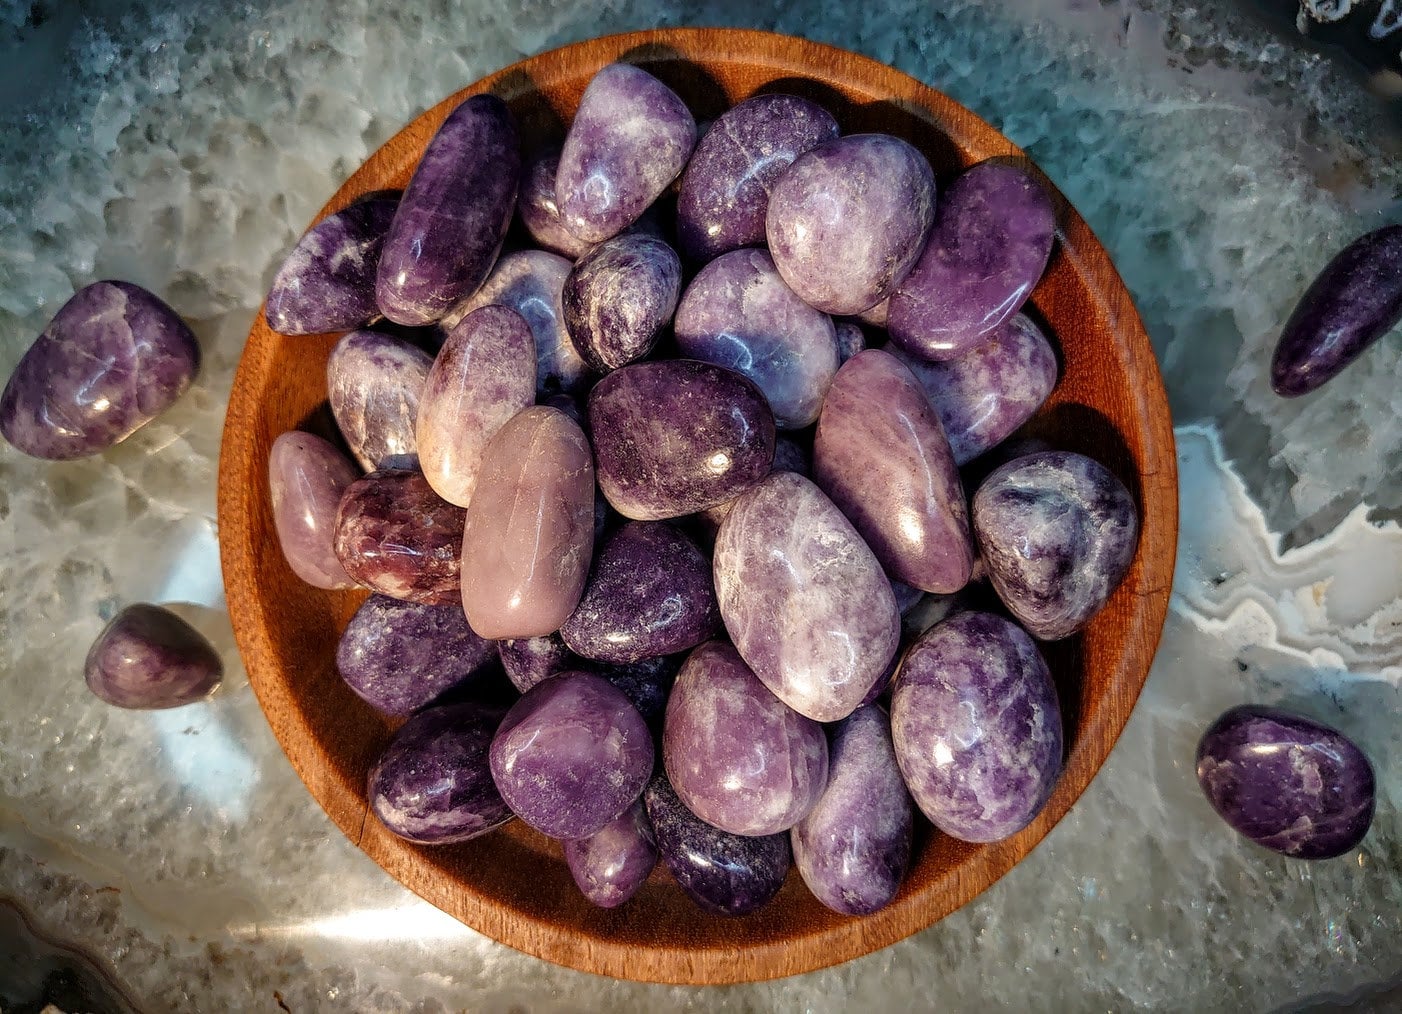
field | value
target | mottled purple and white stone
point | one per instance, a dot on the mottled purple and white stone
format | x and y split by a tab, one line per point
1057	532
374	382
992	237
610	865
307	476
987	393
529	660
1287	782
848	219
433	785
805	601
729	874
327	282
739	313
112	359
148	658
977	727
853	847
725	190
540	213
880	453
619	297
630	138
851	339
572	755
739	757
453	216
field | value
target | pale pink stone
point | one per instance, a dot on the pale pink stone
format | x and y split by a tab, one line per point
306	477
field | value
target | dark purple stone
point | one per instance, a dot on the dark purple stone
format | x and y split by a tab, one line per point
149	658
851	339
396	536
374	382
647	683
528	660
1356	300
540	213
619	297
113	358
790	457
611	865
1287	782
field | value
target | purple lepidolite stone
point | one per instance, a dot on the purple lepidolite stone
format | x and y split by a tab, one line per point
528	660
610	865
307	476
374	382
851	339
149	658
539	211
619	297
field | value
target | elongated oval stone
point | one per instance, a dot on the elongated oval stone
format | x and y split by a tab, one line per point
677	436
529	534
453	215
540	213
113	358
1356	300
725	189
307	477
149	658
881	455
738	313
630	138
976	727
848	219
610	865
327	282
1057	532
987	393
374	382
484	374
1287	782
805	601
398	537
618	298
992	237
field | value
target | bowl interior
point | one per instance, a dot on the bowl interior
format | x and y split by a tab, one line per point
513	885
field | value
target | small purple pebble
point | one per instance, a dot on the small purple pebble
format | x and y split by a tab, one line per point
148	658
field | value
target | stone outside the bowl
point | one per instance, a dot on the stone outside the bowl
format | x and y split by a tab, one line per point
148	658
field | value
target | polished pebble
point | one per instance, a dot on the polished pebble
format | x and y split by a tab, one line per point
528	660
647	683
148	658
618	298
540	213
374	381
851	339
307	476
612	864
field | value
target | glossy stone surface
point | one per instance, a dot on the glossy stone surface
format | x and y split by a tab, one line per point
112	359
992	236
848	219
374	382
853	847
453	215
327	282
1287	782
725	190
729	874
483	375
995	387
610	865
738	313
619	297
851	339
1352	303
433	784
399	656
677	436
1057	532
630	138
530	528
148	658
880	453
646	683
805	601
398	537
306	478
649	594
976	727
528	660
739	757
540	213
571	755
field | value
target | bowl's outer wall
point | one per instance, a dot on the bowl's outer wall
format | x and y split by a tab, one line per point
513	885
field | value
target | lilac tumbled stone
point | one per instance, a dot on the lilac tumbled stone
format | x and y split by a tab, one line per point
853	847
725	190
571	755
327	282
990	244
149	658
1057	532
976	727
540	213
453	216
398	537
848	219
307	476
618	298
528	660
610	865
433	784
630	138
374	381
1287	782
112	359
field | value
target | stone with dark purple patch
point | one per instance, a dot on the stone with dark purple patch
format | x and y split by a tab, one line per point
1287	782
374	382
148	658
976	727
528	660
112	359
851	339
540	213
619	297
647	683
307	476
610	865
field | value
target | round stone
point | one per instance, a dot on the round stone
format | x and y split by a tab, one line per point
610	865
149	658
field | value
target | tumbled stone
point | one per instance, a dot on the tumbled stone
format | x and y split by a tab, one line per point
307	477
851	339
148	658
647	683
374	382
540	213
610	865
619	297
112	359
396	536
528	660
876	316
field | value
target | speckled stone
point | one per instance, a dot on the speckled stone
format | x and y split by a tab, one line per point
1057	532
307	476
112	359
148	658
977	727
646	683
528	660
374	381
612	864
851	339
540	213
619	297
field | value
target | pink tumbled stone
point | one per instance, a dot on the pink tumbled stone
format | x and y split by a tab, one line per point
306	476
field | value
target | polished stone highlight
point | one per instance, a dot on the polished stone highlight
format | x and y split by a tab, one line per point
610	865
147	658
539	211
307	476
619	297
374	382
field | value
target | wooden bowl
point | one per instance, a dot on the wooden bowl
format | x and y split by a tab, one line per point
513	885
